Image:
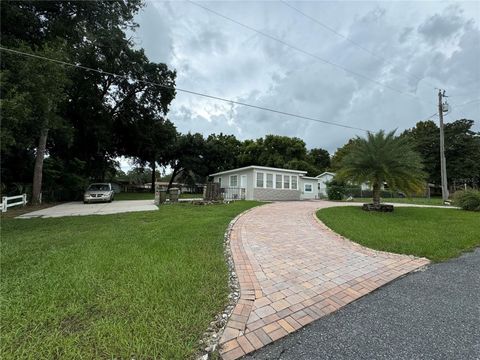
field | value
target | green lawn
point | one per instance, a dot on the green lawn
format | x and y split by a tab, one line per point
138	285
150	196
417	201
437	234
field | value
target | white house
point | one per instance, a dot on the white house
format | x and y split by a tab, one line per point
261	183
268	183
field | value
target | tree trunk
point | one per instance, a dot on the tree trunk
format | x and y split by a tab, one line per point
38	169
174	173
152	165
376	194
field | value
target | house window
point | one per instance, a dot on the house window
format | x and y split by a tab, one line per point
278	181
220	181
260	179
233	181
286	181
269	180
308	187
294	182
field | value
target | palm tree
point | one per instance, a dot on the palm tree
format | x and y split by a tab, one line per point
380	158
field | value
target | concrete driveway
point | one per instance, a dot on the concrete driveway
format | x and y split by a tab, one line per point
80	209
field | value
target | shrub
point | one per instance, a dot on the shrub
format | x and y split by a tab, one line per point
336	190
468	199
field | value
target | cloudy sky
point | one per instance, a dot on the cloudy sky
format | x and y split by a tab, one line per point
389	57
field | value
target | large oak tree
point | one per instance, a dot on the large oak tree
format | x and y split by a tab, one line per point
103	115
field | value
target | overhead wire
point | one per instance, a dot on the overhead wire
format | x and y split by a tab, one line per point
466	103
429	117
456	107
300	50
353	42
86	68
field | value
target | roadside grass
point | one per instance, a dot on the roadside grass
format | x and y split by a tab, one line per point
416	201
437	234
138	285
150	196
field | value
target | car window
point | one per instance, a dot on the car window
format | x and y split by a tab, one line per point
99	187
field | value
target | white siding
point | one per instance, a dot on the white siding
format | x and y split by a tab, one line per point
309	188
269	189
322	184
274	185
225	181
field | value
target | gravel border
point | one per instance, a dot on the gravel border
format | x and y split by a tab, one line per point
214	332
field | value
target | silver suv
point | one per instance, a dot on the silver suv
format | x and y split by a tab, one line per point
98	192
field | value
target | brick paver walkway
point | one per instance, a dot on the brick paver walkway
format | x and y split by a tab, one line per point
293	270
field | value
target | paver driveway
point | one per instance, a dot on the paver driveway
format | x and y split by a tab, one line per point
432	314
293	270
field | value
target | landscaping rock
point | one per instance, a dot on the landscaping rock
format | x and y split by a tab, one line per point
208	202
214	332
380	207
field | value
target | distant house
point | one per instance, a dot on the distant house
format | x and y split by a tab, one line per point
268	183
184	188
326	177
323	179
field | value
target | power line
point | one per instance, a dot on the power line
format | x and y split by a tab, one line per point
465	103
454	107
449	107
303	51
183	90
429	117
353	42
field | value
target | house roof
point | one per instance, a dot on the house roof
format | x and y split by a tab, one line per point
256	167
309	177
325	173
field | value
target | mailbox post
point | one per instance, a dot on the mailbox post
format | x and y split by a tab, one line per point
174	194
160	195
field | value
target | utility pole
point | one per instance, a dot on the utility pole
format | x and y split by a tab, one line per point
443	163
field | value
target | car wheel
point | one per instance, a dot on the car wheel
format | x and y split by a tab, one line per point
85	202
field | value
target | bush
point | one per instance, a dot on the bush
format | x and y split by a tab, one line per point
336	190
468	199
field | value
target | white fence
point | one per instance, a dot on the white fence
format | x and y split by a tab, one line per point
6	204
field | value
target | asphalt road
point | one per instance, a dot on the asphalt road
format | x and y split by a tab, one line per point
430	314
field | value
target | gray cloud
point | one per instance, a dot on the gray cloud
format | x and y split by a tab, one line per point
405	34
223	59
153	35
441	27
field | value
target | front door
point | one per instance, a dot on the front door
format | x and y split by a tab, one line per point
243	184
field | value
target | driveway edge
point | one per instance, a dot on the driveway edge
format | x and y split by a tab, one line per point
214	333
